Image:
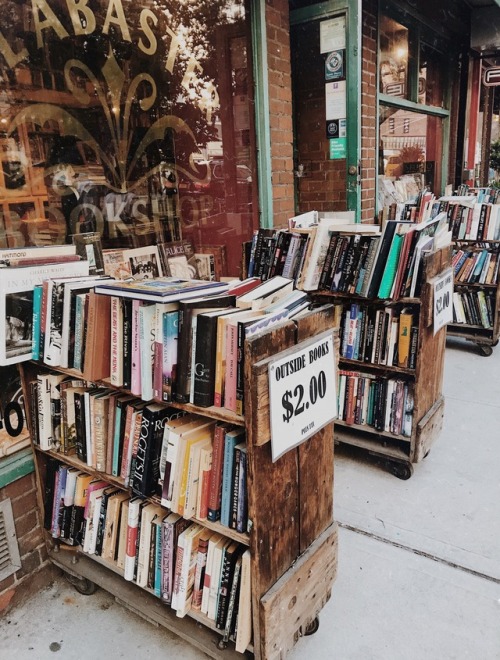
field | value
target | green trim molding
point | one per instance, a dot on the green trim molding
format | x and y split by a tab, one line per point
16	466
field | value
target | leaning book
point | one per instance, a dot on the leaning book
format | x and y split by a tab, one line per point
16	305
161	289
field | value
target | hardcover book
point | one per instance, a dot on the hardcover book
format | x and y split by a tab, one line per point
161	289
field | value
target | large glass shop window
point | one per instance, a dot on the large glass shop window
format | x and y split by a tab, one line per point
133	119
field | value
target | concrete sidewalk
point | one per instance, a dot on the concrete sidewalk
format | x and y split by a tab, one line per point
419	560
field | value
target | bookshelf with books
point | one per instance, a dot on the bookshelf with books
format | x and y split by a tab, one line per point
285	538
391	368
474	221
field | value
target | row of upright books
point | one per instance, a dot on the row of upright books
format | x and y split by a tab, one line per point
380	335
191	568
474	308
196	466
487	194
354	259
476	266
471	220
162	339
385	404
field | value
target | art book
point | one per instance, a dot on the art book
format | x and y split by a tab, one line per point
161	289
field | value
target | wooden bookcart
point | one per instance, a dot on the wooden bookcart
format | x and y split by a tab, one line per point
484	338
293	539
399	452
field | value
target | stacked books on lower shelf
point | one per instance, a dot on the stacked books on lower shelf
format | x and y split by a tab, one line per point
191	568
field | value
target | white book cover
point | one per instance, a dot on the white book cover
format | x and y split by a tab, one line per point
217	560
214	541
146	347
170	448
184	592
16	305
149	512
131	538
34	252
244	625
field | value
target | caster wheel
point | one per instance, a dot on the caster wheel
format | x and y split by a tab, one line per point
495	343
402	470
221	645
486	351
312	627
82	585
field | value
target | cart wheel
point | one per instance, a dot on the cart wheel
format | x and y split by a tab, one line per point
486	351
312	627
82	585
221	645
402	470
495	343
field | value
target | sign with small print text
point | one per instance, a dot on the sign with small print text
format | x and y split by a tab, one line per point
443	299
302	392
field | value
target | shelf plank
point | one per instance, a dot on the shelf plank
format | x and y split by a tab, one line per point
144	603
374	446
371	430
361	366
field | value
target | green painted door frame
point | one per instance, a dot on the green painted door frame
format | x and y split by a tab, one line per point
319	11
352	11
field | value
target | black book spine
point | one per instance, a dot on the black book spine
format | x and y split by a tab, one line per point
347	270
127	342
52	467
275	257
226	579
287	237
233	510
333	266
240	368
80	444
185	316
204	376
242	516
339	266
328	261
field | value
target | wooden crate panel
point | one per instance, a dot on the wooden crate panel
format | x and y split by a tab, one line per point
428	429
316	485
297	598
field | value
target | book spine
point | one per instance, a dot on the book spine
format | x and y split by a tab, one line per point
203	375
214	499
116	366
170	345
135	376
37	308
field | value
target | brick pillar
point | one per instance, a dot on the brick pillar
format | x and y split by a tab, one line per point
280	101
368	110
27	521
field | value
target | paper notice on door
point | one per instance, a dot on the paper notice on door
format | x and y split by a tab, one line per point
335	100
332	34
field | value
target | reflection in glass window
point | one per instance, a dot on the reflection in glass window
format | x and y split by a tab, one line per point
410	144
393	58
134	120
430	84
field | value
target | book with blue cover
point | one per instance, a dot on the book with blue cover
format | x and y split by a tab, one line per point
161	289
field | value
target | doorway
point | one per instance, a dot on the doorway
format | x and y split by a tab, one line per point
325	76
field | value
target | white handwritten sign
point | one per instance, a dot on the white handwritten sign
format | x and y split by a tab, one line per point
302	392
443	299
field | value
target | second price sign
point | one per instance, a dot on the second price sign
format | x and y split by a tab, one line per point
302	392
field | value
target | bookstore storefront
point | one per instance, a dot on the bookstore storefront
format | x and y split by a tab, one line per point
135	121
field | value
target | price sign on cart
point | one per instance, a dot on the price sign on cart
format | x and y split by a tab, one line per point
302	392
443	299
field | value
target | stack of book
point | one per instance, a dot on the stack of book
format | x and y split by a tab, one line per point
474	308
23	272
191	568
475	266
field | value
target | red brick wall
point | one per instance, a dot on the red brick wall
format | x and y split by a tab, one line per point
368	110
280	100
22	494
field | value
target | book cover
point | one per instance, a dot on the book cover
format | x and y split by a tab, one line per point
149	513
185	584
132	534
16	305
232	438
215	492
103	514
169	451
199	572
97	339
170	351
172	526
161	289
88	247
231	554
37	311
214	540
147	465
112	525
187	311
82	484
116	349
135	375
204	483
161	309
205	357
